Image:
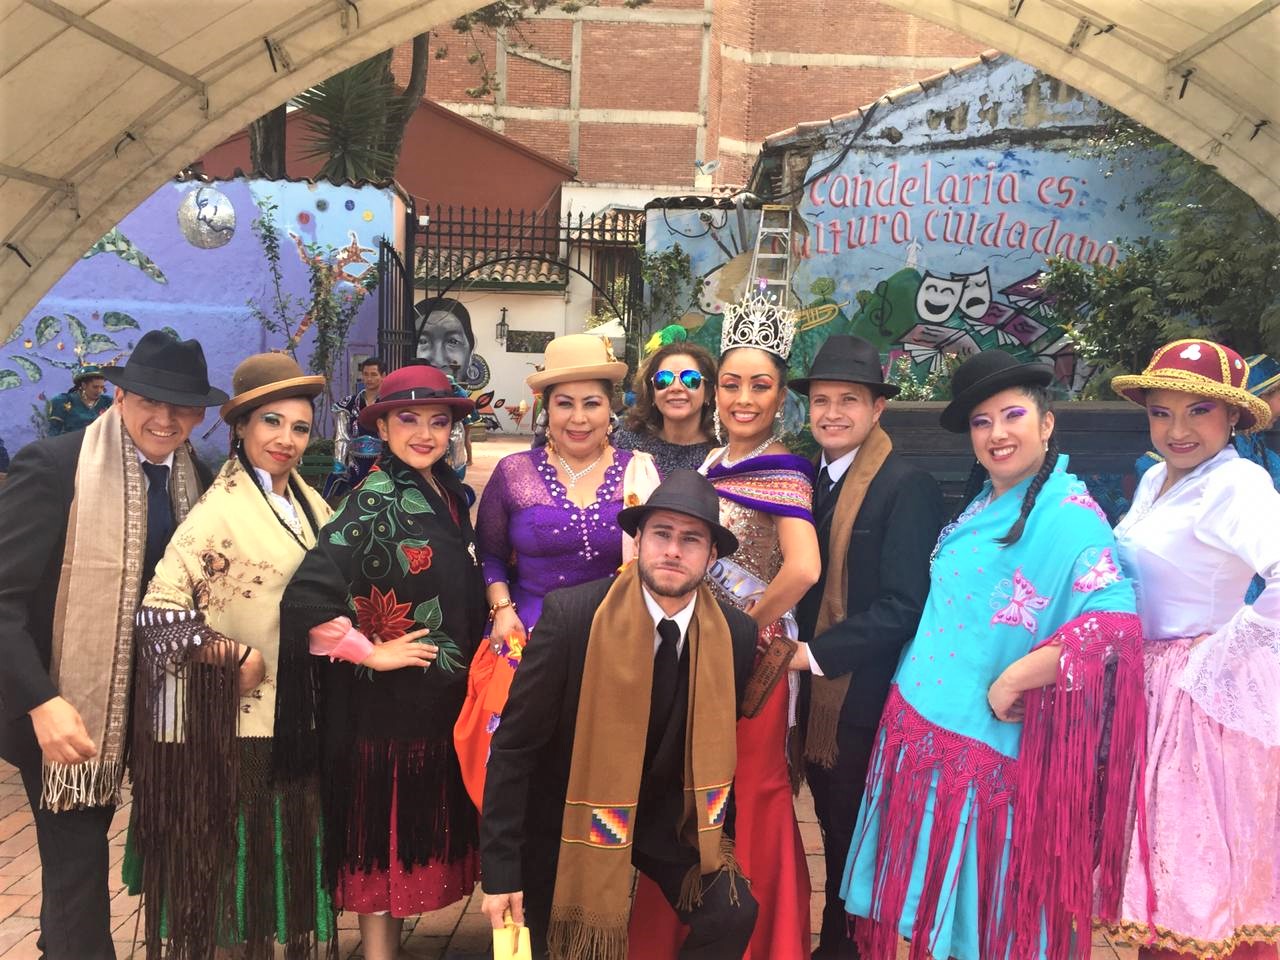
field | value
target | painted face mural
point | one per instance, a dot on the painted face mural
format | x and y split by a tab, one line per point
937	298
975	297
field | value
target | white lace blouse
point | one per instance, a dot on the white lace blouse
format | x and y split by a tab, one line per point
1191	554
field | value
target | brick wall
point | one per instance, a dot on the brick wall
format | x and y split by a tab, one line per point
770	64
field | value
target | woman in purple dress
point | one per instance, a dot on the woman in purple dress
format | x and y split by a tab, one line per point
548	519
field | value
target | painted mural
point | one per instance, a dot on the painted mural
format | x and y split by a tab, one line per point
190	258
926	232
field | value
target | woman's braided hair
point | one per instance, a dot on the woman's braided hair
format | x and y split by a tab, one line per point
978	474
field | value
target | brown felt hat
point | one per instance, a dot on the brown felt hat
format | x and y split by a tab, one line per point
577	356
265	377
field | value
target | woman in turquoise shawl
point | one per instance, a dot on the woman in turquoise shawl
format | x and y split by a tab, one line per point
989	801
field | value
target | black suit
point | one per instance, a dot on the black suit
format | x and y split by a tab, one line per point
887	575
34	508
528	771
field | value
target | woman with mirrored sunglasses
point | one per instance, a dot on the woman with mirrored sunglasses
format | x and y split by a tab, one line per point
671	418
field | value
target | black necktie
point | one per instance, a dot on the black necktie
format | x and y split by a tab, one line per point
822	492
666	671
159	517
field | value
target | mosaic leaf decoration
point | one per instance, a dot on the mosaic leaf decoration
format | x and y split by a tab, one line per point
46	329
32	370
97	343
116	242
78	332
114	321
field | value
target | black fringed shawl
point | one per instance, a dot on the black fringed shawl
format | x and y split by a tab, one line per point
393	559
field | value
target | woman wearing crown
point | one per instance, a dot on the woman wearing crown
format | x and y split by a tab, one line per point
765	497
990	806
1204	521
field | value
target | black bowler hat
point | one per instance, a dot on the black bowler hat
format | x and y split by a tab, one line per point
167	369
690	493
847	359
984	375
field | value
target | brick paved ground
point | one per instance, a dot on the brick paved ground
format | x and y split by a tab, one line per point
458	933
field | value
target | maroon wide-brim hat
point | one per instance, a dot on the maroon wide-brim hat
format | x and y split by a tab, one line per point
1204	368
414	386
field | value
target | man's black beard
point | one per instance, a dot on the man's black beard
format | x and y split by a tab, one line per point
686	589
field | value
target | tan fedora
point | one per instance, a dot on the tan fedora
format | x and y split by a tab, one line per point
577	356
264	377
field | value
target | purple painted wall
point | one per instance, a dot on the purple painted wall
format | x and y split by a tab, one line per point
188	259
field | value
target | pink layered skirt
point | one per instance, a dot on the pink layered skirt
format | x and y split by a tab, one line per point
1213	814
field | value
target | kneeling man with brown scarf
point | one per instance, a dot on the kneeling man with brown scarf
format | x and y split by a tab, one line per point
617	747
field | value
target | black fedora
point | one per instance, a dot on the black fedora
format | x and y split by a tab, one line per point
847	359
690	493
167	369
984	375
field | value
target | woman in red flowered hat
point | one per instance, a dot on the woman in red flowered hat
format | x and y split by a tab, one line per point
1203	522
377	628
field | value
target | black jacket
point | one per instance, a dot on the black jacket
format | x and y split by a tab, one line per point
34	506
528	771
887	569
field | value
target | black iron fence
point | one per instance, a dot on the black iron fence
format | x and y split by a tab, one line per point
458	249
395	307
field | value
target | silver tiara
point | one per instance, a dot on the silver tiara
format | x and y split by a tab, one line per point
758	321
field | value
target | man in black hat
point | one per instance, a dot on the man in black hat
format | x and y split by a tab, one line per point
606	759
877	518
84	517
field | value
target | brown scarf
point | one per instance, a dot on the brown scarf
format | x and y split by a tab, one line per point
591	906
98	593
828	693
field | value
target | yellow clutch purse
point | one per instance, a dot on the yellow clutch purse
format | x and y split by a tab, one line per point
512	941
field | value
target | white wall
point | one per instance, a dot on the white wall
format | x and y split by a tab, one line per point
525	311
589	198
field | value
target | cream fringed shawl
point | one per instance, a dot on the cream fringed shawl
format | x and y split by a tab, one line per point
98	590
230	856
231	560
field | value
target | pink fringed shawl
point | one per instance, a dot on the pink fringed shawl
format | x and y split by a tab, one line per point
1068	795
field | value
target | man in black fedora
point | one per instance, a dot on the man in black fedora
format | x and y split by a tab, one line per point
617	746
84	518
877	518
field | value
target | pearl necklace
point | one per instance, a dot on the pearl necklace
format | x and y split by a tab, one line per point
726	462
576	475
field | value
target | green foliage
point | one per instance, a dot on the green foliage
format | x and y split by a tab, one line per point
282	309
668	277
1211	270
934	385
330	307
333	308
349	119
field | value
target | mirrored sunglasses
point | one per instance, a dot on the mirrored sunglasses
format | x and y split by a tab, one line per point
691	379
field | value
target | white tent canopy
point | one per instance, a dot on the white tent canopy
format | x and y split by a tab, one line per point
1204	74
101	101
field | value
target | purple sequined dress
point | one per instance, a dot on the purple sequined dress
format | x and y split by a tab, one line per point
534	538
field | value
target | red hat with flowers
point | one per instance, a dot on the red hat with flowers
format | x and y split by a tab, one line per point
1204	368
415	385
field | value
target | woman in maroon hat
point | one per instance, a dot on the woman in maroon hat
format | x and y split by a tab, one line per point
1203	522
394	575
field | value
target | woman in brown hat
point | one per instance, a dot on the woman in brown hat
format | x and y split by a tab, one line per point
214	866
1204	521
393	578
548	519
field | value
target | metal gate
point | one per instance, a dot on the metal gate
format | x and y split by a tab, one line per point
395	307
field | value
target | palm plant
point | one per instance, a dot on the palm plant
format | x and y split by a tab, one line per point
350	119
